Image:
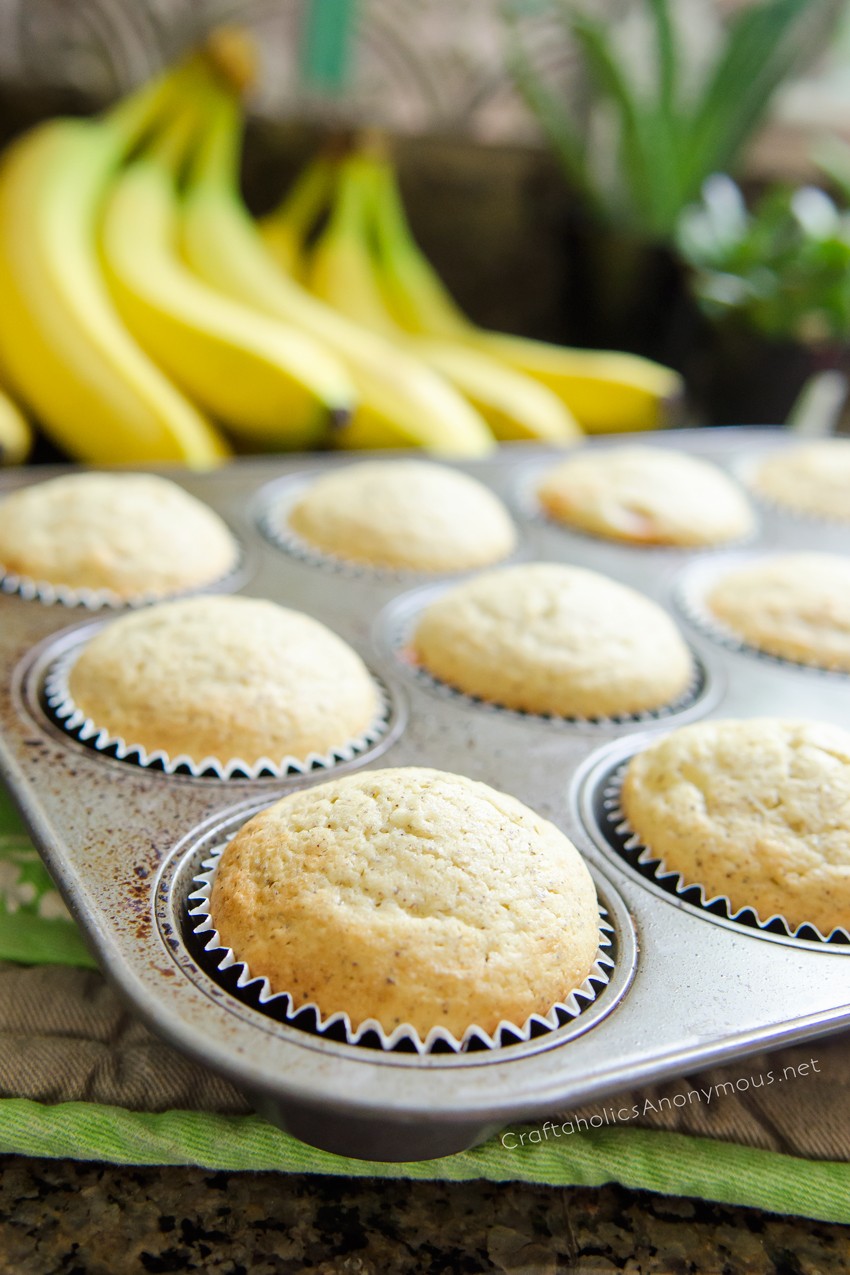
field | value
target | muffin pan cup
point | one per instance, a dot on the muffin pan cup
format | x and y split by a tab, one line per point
65	595
370	1031
274	507
746	470
396	631
691	595
623	839
526	503
64	710
124	843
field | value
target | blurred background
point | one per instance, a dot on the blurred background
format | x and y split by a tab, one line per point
668	179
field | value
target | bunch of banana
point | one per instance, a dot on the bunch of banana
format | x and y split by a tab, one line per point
144	319
147	317
341	270
604	390
265	381
368	265
399	401
64	350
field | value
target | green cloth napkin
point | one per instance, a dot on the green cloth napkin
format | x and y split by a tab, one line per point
35	930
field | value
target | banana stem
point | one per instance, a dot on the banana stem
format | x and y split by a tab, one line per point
174	145
131	119
308	197
171	146
216	161
351	209
392	229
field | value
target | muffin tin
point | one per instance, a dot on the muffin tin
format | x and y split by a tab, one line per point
687	988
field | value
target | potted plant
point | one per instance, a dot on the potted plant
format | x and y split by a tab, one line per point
636	154
774	286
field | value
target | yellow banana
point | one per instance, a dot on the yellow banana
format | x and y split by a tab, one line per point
343	273
64	349
15	433
514	406
261	378
605	391
400	402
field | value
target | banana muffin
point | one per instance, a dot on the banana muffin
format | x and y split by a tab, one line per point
225	678
409	896
547	638
796	606
756	810
813	478
404	514
133	535
648	496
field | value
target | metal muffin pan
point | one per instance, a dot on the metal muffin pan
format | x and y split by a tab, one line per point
687	990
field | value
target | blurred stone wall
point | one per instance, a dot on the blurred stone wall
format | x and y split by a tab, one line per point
416	65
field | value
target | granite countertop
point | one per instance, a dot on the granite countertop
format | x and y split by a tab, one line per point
68	1218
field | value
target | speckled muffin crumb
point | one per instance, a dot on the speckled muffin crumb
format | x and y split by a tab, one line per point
646	495
224	677
757	810
547	638
135	535
813	478
795	606
409	896
404	514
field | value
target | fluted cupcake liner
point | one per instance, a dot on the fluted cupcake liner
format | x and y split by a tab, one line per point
691	594
48	594
626	842
401	641
72	719
528	504
255	991
273	521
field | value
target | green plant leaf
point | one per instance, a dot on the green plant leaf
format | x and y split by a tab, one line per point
635	126
758	56
667	57
666	149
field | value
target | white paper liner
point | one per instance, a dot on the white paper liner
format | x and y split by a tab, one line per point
72	719
273	521
691	593
529	506
105	599
405	1035
401	640
622	838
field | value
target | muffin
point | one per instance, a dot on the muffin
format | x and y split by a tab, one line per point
757	811
796	606
409	896
547	638
813	478
134	535
646	495
224	678
404	514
